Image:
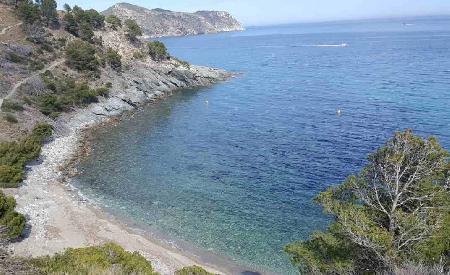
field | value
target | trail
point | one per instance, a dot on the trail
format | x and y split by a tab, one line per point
2	32
25	80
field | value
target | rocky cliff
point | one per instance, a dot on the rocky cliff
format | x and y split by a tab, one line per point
159	22
139	79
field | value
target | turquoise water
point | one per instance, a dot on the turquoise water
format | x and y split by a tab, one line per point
235	176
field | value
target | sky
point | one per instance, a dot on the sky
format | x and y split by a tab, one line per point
267	12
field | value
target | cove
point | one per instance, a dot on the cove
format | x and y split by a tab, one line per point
232	169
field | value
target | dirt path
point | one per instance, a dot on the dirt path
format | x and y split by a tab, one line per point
2	32
25	80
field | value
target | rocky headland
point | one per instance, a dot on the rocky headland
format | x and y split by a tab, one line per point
159	22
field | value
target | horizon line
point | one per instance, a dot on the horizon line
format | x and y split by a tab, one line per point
348	20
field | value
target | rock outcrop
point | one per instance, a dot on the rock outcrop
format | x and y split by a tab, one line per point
159	22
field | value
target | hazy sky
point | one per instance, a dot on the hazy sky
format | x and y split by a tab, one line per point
261	12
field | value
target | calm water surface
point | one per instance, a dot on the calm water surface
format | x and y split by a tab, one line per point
235	176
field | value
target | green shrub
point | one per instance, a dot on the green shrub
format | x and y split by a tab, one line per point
86	32
107	259
182	62
51	105
15	58
10	176
114	22
10	219
103	91
67	93
132	29
42	132
114	59
81	56
192	270
157	50
11	106
70	24
11	118
15	155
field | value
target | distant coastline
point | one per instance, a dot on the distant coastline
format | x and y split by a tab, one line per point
157	23
352	21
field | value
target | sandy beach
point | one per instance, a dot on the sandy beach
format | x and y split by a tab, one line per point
58	217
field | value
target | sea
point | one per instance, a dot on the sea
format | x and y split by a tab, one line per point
230	171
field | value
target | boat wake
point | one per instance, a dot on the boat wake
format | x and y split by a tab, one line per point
343	45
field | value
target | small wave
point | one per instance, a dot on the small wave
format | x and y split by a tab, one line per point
343	45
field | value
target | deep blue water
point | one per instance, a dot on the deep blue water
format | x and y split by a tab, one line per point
236	176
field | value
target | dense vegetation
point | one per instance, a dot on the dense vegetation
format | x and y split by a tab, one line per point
132	29
11	222
67	93
81	56
393	215
107	259
29	12
114	22
49	13
157	50
15	155
82	23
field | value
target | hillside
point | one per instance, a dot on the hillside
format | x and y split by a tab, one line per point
159	22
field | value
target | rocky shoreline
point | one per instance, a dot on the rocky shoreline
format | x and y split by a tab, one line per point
57	216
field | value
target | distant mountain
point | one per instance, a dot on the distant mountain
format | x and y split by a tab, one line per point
159	22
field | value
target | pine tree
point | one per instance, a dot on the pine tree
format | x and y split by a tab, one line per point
49	13
395	211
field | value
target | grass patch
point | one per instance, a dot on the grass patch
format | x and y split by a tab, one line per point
107	259
10	220
15	155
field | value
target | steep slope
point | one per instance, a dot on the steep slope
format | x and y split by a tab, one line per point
159	22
